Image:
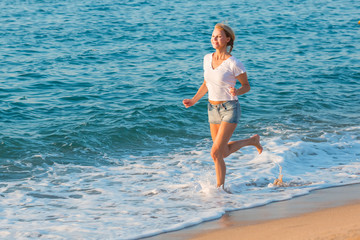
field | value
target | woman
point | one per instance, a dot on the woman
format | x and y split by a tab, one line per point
221	71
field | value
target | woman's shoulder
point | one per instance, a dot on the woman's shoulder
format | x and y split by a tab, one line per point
234	59
207	56
237	64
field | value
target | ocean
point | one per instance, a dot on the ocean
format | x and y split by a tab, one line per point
96	144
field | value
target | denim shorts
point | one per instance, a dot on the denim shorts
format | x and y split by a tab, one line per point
228	112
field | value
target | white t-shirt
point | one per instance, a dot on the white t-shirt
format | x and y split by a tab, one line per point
220	79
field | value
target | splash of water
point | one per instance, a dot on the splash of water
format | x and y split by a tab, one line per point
279	181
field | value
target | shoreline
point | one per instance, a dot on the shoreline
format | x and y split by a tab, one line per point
333	206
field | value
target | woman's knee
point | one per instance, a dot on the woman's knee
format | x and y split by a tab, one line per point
218	153
215	153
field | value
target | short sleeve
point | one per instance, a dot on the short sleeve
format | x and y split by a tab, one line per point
238	68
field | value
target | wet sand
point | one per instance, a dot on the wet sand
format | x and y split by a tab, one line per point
331	213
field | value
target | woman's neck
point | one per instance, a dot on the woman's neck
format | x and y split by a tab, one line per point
221	54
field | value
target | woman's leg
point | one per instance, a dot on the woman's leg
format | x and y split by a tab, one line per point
214	128
236	145
222	148
221	134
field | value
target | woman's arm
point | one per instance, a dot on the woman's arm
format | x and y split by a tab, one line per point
245	86
200	93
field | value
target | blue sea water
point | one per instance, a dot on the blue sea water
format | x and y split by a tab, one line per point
96	144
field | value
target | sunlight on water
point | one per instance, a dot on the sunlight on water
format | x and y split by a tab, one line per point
93	132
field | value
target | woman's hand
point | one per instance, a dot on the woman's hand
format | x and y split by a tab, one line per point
188	102
233	91
200	93
245	86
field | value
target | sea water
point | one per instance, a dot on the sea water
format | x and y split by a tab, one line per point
96	144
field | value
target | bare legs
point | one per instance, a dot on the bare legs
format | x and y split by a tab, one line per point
253	141
222	148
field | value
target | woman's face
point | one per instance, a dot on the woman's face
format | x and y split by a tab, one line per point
219	39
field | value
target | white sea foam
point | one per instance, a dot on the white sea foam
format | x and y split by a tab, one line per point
96	144
143	197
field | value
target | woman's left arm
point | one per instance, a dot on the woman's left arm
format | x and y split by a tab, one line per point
245	86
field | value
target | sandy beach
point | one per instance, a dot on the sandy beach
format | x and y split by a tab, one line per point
332	213
334	223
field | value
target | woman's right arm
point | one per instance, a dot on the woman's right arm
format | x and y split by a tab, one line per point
200	93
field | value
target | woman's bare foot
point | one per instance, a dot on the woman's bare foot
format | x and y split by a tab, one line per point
256	143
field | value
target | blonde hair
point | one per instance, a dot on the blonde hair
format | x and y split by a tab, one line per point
229	33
